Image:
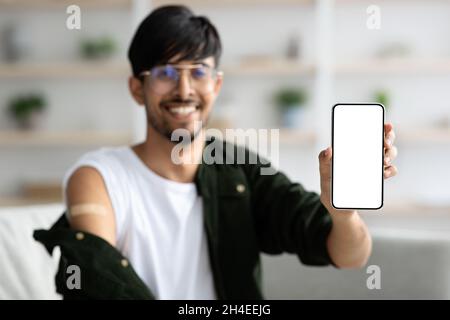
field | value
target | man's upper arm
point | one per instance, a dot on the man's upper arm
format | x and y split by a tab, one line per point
89	205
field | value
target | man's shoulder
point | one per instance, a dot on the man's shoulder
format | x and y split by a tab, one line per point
104	160
105	153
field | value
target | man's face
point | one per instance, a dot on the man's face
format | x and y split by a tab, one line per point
188	101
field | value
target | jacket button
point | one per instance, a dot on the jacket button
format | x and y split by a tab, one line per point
124	263
240	188
79	235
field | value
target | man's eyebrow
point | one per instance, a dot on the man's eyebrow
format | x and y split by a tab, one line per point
200	62
203	64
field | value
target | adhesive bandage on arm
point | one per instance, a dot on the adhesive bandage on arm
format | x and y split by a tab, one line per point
87	208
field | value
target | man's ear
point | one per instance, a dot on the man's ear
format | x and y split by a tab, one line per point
136	89
218	84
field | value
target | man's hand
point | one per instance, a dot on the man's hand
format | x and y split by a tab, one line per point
349	243
390	153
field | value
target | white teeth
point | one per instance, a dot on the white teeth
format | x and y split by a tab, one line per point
182	110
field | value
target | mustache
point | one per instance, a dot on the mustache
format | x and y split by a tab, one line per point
180	101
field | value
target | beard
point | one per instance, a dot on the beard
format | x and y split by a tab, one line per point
163	127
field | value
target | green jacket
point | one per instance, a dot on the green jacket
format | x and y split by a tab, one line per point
245	213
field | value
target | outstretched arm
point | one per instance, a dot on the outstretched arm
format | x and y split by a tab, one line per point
349	242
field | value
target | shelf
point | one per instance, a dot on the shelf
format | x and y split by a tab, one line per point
36	138
423	135
395	66
269	67
46	4
260	68
64	70
296	136
116	69
221	3
18	201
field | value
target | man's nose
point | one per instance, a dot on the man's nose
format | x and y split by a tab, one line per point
184	87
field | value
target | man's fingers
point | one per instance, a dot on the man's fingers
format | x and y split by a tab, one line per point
390	151
388	127
390	171
389	138
390	154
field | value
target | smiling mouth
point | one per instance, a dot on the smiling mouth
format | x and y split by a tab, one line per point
180	109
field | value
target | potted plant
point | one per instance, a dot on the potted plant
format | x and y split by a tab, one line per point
97	48
382	96
291	103
26	110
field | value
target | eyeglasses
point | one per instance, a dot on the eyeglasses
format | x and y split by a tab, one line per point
165	78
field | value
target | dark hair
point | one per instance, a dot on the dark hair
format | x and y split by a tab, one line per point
171	30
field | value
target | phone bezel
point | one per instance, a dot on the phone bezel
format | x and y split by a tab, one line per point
332	158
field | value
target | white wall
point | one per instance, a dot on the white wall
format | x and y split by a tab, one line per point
104	104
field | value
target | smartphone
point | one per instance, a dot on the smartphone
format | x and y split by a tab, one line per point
358	156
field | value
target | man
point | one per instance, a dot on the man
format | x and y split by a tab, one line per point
190	230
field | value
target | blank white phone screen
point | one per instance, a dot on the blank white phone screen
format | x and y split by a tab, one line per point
357	164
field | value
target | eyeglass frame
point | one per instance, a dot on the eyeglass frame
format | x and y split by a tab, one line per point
217	73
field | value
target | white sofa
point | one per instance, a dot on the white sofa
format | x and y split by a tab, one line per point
414	259
26	269
411	249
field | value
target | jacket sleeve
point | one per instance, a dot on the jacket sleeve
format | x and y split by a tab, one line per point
287	217
102	271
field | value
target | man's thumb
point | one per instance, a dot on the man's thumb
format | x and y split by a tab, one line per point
325	161
325	155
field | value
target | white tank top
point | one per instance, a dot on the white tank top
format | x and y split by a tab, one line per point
159	224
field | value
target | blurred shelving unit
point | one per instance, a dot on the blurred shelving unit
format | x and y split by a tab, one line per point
129	3
52	4
108	69
276	67
64	70
297	137
36	73
224	3
405	66
61	139
423	135
18	201
323	72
